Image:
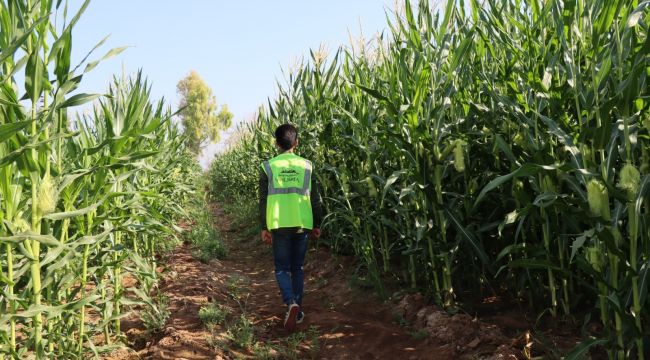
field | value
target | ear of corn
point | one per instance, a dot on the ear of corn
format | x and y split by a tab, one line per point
47	196
598	198
551	100
459	156
629	180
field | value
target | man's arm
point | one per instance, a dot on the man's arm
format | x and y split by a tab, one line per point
316	202
263	194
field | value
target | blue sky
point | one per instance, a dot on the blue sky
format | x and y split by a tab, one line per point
238	46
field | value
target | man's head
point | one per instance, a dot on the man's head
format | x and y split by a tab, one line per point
286	137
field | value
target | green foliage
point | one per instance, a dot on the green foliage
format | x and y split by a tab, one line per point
419	335
262	351
290	347
213	314
155	316
83	200
241	332
245	217
483	150
199	115
205	238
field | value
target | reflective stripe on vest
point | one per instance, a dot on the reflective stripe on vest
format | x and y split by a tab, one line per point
304	190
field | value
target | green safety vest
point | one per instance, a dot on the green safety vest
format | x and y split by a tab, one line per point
288	204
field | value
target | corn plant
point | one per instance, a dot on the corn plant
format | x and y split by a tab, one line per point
82	201
473	150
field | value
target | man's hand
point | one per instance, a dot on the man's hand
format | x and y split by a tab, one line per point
315	232
267	238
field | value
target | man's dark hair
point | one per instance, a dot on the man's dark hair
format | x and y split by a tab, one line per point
286	136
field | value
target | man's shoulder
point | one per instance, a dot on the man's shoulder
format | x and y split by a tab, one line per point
293	158
302	157
268	160
307	161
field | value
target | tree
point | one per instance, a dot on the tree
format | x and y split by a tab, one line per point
199	115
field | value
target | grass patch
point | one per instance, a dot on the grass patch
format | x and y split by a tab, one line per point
207	241
263	351
305	340
244	215
241	332
213	314
166	245
155	316
236	285
242	210
419	335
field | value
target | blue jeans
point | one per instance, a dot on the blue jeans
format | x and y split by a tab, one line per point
288	254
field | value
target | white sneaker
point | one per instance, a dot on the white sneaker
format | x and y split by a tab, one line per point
300	317
291	317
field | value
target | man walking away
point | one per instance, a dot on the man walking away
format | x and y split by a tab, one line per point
290	209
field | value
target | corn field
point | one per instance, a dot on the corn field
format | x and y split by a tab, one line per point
84	200
484	148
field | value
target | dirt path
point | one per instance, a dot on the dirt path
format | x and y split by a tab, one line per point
350	324
340	323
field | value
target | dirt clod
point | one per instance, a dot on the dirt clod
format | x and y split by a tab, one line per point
474	343
409	305
505	352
